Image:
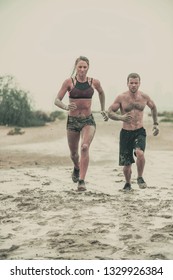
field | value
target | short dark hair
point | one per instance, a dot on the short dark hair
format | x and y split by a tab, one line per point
133	76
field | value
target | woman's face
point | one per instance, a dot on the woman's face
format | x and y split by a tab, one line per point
81	68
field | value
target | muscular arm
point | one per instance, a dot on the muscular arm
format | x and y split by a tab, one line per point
113	109
153	108
61	94
64	88
124	117
99	89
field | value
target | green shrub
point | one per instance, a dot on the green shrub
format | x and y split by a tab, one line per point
167	116
42	116
167	120
57	115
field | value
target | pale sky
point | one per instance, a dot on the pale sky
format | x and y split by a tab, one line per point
41	39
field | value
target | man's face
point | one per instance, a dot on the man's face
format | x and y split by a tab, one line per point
133	85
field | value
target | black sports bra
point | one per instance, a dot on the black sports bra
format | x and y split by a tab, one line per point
81	90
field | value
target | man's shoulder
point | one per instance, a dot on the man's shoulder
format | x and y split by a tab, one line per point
120	97
123	95
144	95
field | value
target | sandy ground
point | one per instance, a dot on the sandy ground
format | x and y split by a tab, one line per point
42	216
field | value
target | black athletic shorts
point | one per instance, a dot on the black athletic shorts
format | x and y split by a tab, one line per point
129	141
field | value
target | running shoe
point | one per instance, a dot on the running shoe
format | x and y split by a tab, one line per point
141	183
75	175
127	187
81	186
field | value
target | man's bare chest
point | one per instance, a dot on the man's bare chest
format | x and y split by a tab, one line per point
136	104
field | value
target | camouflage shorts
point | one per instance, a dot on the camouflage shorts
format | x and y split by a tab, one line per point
76	124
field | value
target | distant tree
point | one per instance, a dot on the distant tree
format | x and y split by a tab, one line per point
15	105
16	109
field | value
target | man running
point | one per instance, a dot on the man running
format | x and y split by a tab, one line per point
133	135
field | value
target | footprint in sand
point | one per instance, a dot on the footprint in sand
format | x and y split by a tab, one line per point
5	181
27	206
53	233
158	257
152	187
135	250
101	225
30	175
5	196
125	226
61	243
18	228
8	236
4	253
6	220
168	230
46	183
157	237
165	216
126	237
